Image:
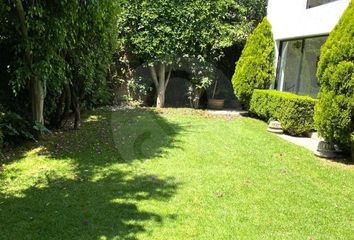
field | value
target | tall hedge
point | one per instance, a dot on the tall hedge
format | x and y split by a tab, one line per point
334	111
255	68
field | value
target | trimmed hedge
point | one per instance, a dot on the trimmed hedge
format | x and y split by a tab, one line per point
255	68
294	112
334	116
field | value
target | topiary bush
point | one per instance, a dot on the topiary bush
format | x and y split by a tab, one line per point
294	112
333	112
255	68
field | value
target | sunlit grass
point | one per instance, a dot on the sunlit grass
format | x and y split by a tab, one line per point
177	174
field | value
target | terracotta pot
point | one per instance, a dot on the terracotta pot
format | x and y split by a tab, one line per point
216	104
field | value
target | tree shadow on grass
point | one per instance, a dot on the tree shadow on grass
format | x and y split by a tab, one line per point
83	209
96	199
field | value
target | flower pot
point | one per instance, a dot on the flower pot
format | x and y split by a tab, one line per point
216	104
275	127
327	150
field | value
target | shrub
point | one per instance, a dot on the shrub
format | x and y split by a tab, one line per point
333	113
255	68
13	127
294	112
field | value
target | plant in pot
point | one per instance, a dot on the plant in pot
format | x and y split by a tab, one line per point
216	103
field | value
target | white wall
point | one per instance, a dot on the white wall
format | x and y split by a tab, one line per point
291	18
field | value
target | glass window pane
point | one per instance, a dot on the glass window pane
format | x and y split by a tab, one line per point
308	84
290	65
298	66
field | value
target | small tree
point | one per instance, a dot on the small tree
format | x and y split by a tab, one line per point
161	31
255	68
334	110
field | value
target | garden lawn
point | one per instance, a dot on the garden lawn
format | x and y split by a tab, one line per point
175	174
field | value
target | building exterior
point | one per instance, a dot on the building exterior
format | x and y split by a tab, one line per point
300	28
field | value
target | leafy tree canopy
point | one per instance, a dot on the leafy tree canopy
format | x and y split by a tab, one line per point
160	31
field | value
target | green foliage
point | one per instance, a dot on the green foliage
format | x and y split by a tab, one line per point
255	68
168	30
13	127
294	112
164	29
58	44
334	112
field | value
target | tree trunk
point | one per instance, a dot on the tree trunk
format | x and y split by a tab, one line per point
76	109
67	105
37	100
37	87
56	119
161	82
64	106
160	103
197	93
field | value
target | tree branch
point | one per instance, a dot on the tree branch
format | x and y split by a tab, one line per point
154	76
168	77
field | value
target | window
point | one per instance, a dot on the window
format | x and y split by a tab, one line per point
298	66
315	3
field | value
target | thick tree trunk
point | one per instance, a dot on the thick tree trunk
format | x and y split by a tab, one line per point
64	106
197	93
37	87
160	102
161	82
37	100
56	119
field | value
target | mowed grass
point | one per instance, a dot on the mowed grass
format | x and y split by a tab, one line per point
176	174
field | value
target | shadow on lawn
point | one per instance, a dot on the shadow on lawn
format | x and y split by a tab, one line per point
94	203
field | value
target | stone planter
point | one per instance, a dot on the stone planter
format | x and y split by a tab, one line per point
216	104
275	127
327	150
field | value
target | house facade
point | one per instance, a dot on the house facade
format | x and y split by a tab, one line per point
300	28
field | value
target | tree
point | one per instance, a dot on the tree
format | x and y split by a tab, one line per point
62	52
162	31
255	68
41	35
88	53
334	113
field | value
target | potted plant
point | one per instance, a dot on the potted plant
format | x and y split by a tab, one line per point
214	103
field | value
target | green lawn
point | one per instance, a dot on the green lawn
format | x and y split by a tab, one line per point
139	174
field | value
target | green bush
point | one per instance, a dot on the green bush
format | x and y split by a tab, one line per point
333	113
294	112
255	68
13	127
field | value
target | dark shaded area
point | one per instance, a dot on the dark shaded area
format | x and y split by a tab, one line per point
85	207
227	63
177	89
